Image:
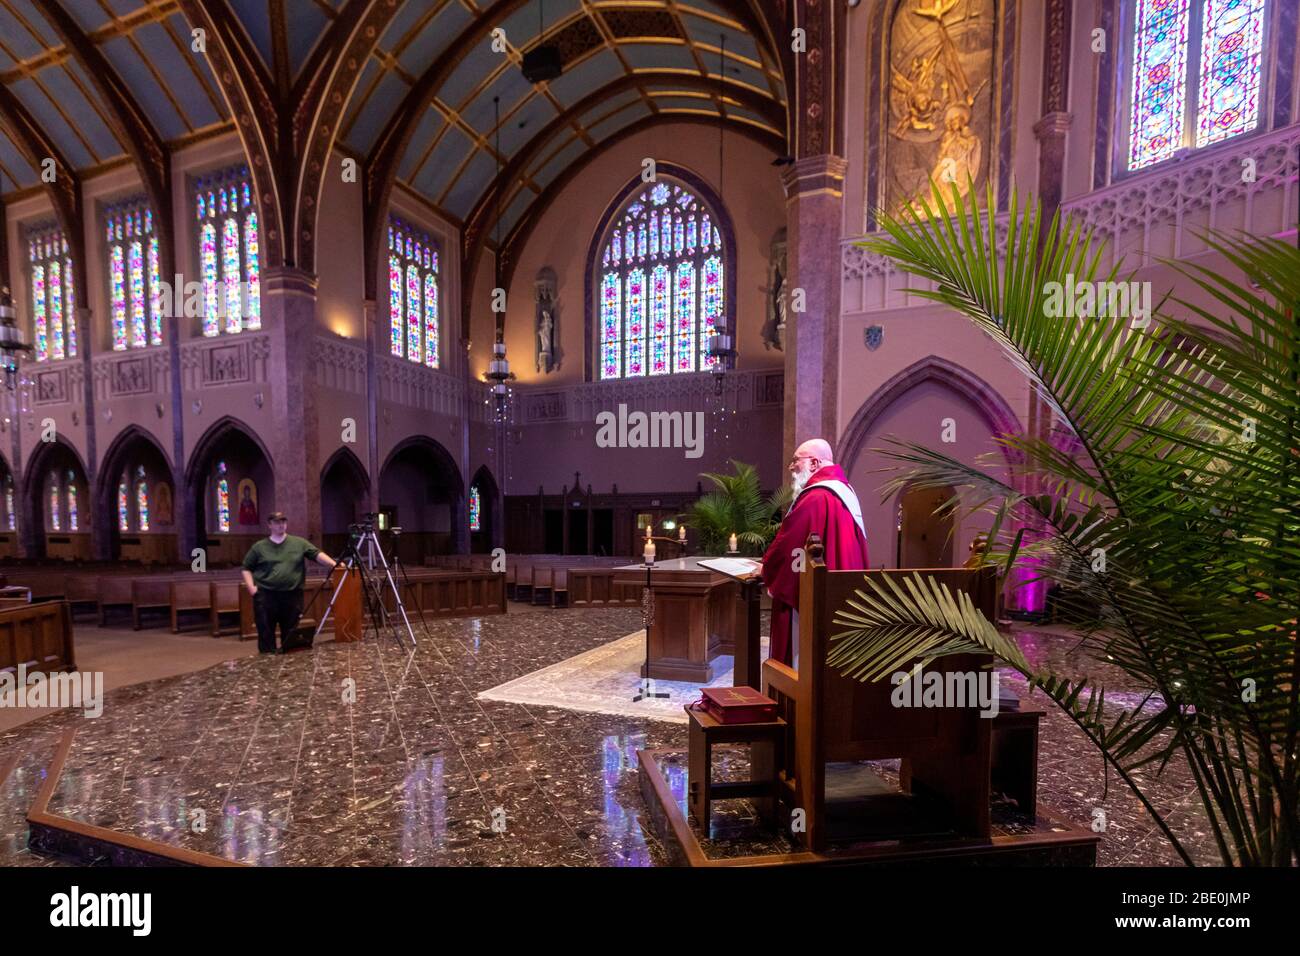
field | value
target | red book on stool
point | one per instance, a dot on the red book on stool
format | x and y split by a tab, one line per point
737	705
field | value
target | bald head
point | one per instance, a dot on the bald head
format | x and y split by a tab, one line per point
818	448
812	455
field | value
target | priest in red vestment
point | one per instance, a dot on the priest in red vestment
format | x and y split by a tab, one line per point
824	503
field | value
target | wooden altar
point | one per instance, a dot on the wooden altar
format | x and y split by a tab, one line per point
698	614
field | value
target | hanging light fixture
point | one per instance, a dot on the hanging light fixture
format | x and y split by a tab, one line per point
722	349
12	343
498	372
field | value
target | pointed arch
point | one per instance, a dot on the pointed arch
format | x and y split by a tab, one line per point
132	449
45	456
344	495
717	210
213	436
422	458
490	503
114	456
993	408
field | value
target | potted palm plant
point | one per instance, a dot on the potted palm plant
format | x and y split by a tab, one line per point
1171	513
737	506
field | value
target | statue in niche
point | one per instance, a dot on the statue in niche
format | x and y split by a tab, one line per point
941	63
778	300
545	297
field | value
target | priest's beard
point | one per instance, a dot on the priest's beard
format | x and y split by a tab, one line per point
800	478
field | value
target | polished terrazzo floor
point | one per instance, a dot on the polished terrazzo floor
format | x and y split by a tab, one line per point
263	760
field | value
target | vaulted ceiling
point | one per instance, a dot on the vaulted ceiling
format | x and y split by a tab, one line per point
421	110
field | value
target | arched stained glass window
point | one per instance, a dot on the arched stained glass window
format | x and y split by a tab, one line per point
475	509
413	316
72	502
56	505
123	506
134	286
1196	74
223	498
53	301
141	499
661	285
229	252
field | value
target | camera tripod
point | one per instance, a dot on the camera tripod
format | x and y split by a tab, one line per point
365	555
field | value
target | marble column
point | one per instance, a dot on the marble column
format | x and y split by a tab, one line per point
1051	132
814	189
101	519
289	315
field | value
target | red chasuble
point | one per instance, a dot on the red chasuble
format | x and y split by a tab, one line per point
818	510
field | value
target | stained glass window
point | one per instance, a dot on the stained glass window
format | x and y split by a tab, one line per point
1186	94
1232	43
141	499
72	501
56	505
661	284
223	498
11	518
475	509
135	295
229	252
123	507
413	318
53	303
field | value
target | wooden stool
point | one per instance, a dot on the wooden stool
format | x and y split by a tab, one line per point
706	732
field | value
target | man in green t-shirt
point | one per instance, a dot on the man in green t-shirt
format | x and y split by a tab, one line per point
274	573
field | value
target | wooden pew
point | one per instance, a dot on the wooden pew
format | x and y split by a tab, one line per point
81	589
113	591
945	750
223	598
560	587
193	593
595	587
150	594
38	635
543	575
524	580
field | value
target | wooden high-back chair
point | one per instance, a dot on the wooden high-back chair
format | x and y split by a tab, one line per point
944	750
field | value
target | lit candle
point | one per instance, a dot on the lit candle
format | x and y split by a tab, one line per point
731	544
681	533
649	551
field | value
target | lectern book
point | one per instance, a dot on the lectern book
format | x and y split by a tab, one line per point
739	568
737	705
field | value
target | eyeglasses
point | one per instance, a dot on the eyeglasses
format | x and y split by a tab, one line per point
798	458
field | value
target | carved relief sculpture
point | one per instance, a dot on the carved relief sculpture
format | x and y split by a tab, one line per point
940	100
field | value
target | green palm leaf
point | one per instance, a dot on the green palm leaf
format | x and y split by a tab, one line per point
1170	520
